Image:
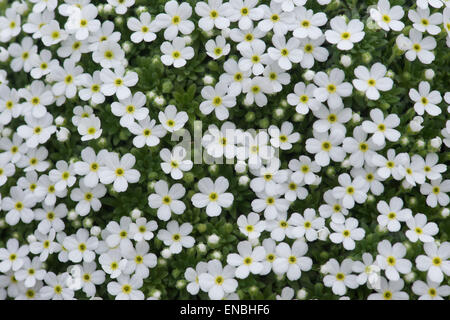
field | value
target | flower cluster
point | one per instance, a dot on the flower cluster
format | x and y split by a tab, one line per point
237	149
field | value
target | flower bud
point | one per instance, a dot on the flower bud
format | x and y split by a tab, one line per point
217	255
135	213
429	74
323	233
208	79
166	254
62	134
87	222
31	238
240	166
346	60
436	142
244	180
95	231
302	294
6	132
309	75
213	239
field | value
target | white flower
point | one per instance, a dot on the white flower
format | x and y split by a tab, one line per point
90	128
82	21
392	214
126	287
307	225
217	280
130	109
389	291
251	226
112	263
52	33
244	12
308	23
147	132
283	138
381	127
118	82
346	233
312	51
424	22
142	28
176	53
289	5
118	171
176	237
272	205
108	54
217	48
351	191
268	178
417	47
13	256
331	120
91	88
343	34
89	167
423	4
30	272
50	218
142	230
175	19
368	271
392	165
172	120
174	162
9	25
303	98
36	130
213	14
213	196
18	206
139	259
304	170
436	192
426	100
45	244
331	88
248	260
419	229
275	18
292	260
254	57
57	287
390	260
372	81
386	17
217	100
219	143
90	277
325	147
340	277
233	77
80	246
121	6
87	198
430	290
435	262
167	201
256	90
285	53
192	275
